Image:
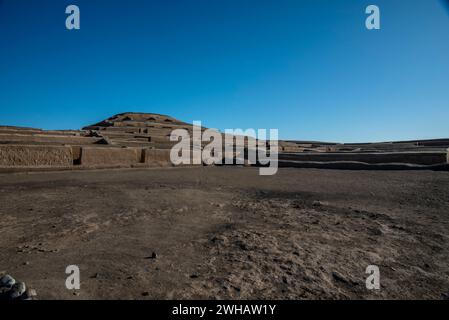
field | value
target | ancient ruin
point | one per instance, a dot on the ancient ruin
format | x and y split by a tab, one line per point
136	140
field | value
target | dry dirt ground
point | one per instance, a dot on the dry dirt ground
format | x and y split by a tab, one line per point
226	232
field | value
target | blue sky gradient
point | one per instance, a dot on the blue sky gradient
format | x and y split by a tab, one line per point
309	68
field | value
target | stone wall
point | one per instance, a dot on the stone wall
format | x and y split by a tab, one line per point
156	157
24	139
108	156
35	156
423	158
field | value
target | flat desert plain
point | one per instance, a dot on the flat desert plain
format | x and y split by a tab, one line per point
227	233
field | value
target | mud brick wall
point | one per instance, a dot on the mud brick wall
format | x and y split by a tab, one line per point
424	158
35	156
98	157
24	139
156	157
291	149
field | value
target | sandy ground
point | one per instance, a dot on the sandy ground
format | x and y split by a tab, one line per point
226	232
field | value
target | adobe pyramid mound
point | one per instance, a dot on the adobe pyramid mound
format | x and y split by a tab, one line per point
133	129
135	119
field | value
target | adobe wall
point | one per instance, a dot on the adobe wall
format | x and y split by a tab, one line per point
423	158
35	156
38	156
156	157
45	139
107	156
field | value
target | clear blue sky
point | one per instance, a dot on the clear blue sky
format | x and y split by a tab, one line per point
308	68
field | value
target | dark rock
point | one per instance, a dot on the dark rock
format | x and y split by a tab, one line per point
152	256
17	290
375	231
7	281
339	278
317	203
243	246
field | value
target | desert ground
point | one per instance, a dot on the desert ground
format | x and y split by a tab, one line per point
227	233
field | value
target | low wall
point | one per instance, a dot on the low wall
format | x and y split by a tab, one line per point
156	157
353	165
35	156
65	156
100	157
424	158
24	139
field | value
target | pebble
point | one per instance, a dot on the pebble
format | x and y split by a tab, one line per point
29	294
183	209
218	240
375	231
